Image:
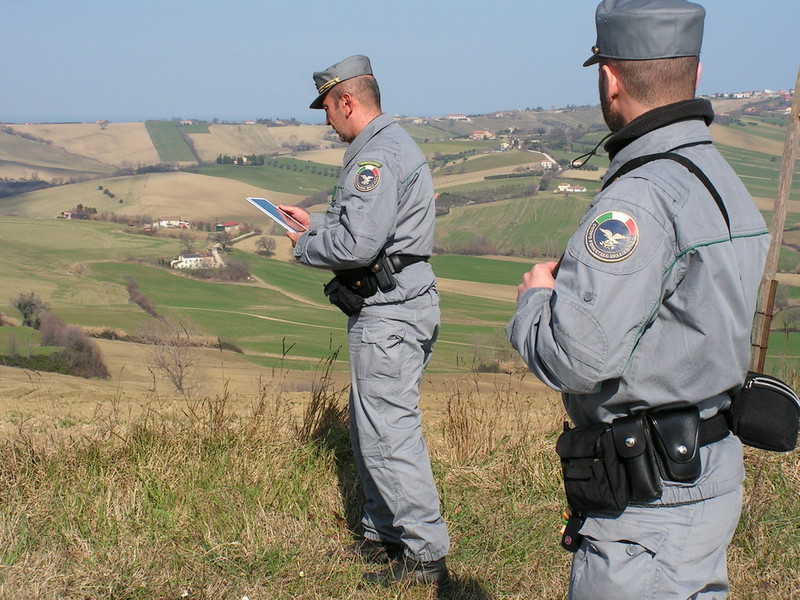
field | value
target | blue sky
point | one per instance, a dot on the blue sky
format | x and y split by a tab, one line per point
84	60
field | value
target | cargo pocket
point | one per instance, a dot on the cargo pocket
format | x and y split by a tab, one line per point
617	560
381	351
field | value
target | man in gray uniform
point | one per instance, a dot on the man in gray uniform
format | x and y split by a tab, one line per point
383	205
649	312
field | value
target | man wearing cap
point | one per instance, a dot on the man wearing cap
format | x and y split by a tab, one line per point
383	205
644	324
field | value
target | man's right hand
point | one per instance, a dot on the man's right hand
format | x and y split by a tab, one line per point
540	276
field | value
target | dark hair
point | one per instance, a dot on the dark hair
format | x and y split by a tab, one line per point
657	82
363	87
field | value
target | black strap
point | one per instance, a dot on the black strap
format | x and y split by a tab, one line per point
401	261
713	430
672	155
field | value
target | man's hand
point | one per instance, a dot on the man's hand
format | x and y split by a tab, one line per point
540	276
301	216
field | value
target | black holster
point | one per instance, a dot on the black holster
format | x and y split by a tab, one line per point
348	289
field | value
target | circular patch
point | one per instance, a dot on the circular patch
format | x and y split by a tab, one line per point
367	178
612	237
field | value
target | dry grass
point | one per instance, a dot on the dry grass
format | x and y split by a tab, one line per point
233	495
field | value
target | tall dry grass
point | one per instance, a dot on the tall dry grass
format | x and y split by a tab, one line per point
228	497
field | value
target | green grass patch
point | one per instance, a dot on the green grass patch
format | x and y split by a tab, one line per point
195	128
479	270
496	160
169	143
426	133
433	149
285	175
535	226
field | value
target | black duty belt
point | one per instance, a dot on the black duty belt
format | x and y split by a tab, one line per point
399	262
713	429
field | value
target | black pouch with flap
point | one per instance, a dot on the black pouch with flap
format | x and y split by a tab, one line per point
594	478
676	435
632	442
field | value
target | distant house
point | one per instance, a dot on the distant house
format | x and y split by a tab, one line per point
194	260
547	164
227	226
482	134
65	214
570	187
457	118
173	223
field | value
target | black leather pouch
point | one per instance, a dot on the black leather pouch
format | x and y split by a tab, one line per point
594	479
675	436
632	443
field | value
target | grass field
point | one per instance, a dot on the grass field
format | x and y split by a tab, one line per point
169	143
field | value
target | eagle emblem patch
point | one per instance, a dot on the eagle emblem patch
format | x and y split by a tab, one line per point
612	236
368	177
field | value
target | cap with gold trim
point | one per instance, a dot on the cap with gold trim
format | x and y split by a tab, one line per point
350	67
647	29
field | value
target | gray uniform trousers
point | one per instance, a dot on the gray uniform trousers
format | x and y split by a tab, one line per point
390	345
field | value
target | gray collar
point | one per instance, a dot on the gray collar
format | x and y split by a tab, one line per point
373	127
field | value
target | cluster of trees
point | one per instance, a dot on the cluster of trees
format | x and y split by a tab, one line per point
79	354
247	160
83	212
108	193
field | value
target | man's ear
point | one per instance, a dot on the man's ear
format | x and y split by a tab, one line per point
611	82
346	103
699	75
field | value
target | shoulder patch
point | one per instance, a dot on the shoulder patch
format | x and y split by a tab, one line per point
612	236
368	176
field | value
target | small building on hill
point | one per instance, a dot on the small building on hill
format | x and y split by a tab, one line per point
570	187
173	223
482	134
227	226
194	260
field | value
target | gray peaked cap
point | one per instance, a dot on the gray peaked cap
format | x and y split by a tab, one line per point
647	29
350	67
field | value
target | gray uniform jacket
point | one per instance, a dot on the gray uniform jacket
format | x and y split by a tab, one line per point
657	310
383	199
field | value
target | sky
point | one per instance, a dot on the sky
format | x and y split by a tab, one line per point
84	60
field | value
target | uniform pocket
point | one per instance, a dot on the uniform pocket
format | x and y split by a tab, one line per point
617	560
381	352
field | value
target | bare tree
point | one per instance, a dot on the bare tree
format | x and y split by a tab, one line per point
188	243
173	355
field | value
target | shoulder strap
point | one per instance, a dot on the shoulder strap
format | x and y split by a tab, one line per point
671	155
